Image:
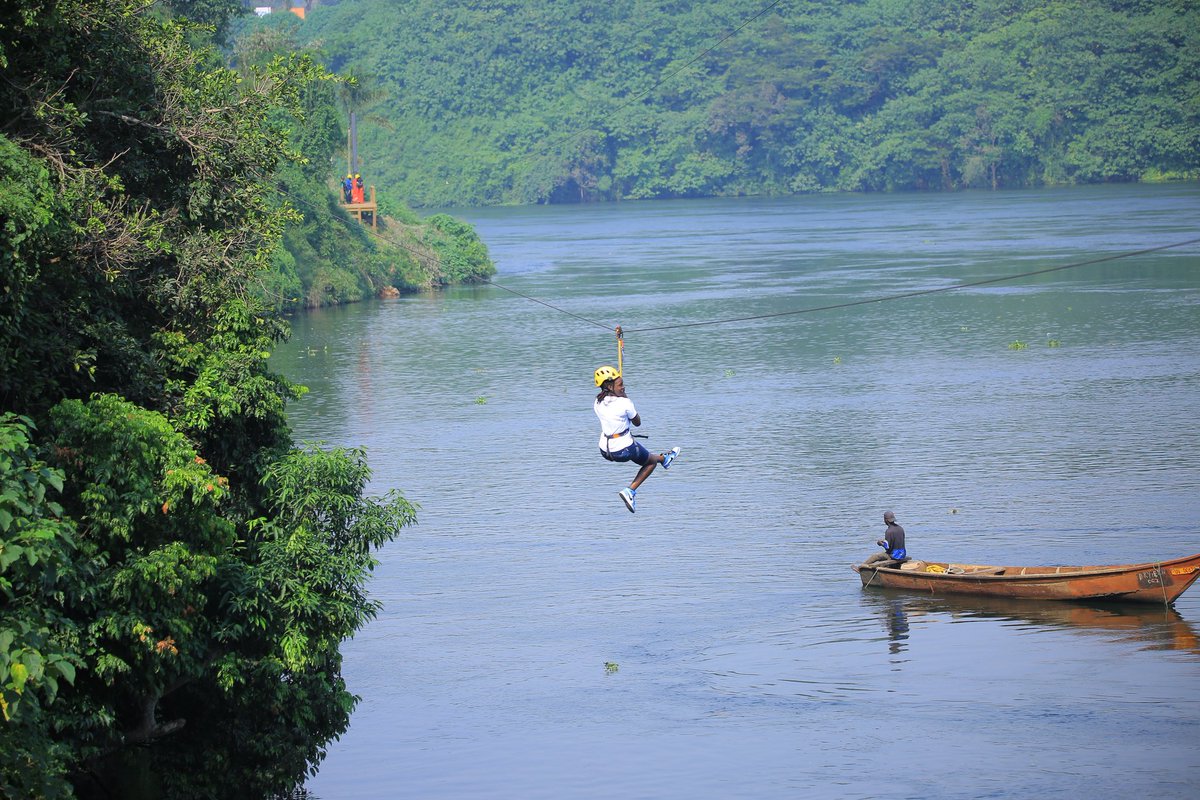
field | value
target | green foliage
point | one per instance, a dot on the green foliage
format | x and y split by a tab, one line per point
184	605
151	538
463	255
33	234
492	102
214	14
327	257
175	579
38	642
315	549
225	377
298	593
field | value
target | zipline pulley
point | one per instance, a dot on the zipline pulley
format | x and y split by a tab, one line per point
620	350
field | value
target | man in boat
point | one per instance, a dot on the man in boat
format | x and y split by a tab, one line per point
892	543
617	414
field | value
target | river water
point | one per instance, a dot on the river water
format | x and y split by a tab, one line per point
536	640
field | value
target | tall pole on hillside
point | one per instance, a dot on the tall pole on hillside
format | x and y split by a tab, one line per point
353	144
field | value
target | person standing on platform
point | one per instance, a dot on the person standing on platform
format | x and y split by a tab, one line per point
358	189
348	187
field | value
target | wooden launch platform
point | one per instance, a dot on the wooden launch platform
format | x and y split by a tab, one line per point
368	208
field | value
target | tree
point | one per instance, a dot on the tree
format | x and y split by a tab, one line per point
39	643
176	576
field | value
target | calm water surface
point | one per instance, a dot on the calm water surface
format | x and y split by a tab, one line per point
749	662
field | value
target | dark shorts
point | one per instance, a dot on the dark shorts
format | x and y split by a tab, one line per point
635	453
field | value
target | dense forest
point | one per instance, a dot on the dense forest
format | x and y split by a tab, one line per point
177	574
482	102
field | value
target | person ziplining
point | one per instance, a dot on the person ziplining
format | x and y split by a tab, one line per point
617	413
618	417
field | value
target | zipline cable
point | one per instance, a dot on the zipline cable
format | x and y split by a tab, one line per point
332	217
905	295
852	303
793	312
620	338
919	292
550	306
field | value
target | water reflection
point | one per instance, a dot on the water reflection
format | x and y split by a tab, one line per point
1147	627
897	626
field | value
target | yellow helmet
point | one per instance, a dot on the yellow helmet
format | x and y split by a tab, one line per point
348	175
606	373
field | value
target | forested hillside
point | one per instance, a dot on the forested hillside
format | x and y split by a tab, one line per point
326	257
494	101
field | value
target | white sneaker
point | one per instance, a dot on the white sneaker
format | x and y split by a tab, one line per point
670	456
627	495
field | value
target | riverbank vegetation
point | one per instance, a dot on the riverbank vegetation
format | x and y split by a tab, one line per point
326	257
176	574
566	100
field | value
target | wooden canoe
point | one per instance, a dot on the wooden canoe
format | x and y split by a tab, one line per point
1154	582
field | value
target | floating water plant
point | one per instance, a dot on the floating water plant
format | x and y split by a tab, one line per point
611	666
1017	345
481	400
729	373
1053	343
837	360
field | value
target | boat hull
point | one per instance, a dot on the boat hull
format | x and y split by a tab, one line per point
1155	582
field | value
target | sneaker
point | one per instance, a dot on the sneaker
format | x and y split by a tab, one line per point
627	495
670	456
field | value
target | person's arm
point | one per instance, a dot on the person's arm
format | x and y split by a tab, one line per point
632	415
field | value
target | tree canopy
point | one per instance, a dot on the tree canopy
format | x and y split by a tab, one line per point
521	102
176	574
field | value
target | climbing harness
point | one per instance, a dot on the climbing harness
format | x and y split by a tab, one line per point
608	440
